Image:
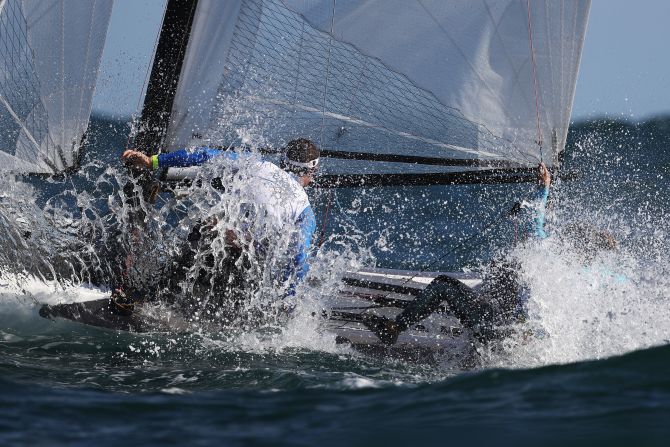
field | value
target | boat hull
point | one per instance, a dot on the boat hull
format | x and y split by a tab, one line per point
362	297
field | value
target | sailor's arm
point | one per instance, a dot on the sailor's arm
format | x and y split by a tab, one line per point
541	197
540	205
307	226
178	159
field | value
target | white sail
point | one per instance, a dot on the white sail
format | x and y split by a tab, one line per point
474	79
50	53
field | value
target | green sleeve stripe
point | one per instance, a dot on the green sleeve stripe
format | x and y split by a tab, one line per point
154	162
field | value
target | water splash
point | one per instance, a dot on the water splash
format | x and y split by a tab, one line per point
588	302
579	309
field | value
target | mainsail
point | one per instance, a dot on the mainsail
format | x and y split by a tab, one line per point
50	53
469	82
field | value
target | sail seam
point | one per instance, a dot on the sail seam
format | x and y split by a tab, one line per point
297	72
479	76
496	30
517	77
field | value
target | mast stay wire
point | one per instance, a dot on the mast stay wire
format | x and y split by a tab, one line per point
535	82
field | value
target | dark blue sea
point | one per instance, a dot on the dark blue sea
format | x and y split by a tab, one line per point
600	374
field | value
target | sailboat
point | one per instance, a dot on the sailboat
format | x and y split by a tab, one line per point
395	92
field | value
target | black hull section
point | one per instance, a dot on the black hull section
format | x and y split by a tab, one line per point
101	313
363	296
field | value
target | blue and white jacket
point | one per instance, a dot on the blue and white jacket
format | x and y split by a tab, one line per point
534	213
283	199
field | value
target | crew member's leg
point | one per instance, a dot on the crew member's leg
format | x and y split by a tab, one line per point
474	311
444	291
456	296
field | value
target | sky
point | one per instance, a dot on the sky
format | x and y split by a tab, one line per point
625	68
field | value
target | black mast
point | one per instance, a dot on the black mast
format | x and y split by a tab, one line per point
155	119
168	60
158	100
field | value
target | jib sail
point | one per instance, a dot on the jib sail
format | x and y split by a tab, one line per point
50	53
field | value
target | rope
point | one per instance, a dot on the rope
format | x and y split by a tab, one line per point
535	83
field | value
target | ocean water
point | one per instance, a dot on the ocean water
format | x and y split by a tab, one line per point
599	375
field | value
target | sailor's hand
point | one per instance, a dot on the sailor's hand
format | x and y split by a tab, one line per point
136	159
543	175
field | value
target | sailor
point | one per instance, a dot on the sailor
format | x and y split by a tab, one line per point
499	302
534	211
277	192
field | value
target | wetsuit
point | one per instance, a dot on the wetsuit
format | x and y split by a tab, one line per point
500	301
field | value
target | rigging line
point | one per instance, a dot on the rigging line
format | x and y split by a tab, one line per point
325	88
360	81
349	219
374	306
535	84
